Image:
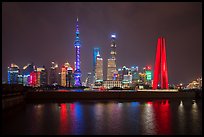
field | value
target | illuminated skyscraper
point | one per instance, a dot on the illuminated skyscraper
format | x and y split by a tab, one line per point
26	73
111	70
70	77
135	74
33	78
77	72
64	73
99	68
53	75
88	80
148	72
13	72
95	53
160	68
41	76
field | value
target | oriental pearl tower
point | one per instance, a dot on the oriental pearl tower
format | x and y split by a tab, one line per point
77	44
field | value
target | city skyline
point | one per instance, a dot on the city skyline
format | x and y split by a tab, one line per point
32	29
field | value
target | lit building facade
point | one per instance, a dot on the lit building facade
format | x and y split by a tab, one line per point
135	75
196	84
13	72
34	78
121	72
77	72
160	67
108	84
41	76
148	72
70	77
20	78
26	73
88	80
127	81
111	69
53	74
128	76
64	73
96	51
99	68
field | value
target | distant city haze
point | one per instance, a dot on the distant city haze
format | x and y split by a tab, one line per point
45	32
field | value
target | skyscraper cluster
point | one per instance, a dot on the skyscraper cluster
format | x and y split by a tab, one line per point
119	78
69	76
29	75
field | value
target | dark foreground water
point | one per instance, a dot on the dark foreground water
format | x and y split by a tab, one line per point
146	117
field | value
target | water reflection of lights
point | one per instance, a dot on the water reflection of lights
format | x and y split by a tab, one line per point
194	105
195	114
156	117
163	114
63	118
181	117
148	119
120	104
134	104
38	106
181	104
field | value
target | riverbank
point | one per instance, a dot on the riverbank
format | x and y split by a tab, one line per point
92	95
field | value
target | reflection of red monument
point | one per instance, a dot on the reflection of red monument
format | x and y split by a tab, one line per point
160	68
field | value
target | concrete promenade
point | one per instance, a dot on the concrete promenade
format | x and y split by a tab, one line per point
94	95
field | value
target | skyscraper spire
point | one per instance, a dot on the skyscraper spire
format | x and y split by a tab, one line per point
77	44
77	27
113	46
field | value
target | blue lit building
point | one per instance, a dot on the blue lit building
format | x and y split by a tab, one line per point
77	72
13	72
96	51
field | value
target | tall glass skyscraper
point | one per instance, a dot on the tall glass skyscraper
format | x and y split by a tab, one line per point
95	53
99	68
111	70
53	77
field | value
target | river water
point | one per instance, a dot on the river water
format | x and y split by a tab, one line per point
139	117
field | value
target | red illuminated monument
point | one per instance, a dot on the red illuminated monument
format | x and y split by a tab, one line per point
160	67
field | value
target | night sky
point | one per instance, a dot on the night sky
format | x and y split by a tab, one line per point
45	32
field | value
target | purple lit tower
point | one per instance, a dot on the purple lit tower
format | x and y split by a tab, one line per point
77	72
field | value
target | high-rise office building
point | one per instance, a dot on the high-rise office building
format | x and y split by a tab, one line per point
96	51
13	72
53	74
148	71
34	78
135	74
64	74
88	80
121	72
111	69
41	76
77	72
26	73
99	68
70	77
